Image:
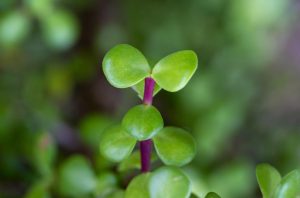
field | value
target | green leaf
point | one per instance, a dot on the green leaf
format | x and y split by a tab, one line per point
39	190
14	28
44	153
142	122
92	127
174	146
289	186
125	66
106	183
173	72
76	177
212	195
116	144
138	187
139	88
268	179
116	194
169	182
60	30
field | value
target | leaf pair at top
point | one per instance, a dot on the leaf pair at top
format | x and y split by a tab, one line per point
174	146
272	186
125	66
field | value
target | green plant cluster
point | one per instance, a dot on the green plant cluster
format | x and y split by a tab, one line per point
272	185
124	66
59	27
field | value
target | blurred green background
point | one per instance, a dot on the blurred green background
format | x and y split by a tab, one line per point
242	105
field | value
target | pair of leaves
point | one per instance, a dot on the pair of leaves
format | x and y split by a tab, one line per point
165	182
271	184
125	66
174	146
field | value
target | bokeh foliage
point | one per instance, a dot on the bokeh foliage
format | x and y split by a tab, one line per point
242	105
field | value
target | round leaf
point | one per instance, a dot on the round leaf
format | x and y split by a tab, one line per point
139	88
268	178
143	122
212	195
289	185
125	66
173	72
169	182
14	28
174	146
60	30
116	144
76	177
138	187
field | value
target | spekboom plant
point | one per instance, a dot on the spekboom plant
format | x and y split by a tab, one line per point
124	66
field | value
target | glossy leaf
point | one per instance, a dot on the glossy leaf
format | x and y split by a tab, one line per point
289	186
169	182
142	122
212	195
174	146
116	144
268	179
76	177
125	66
138	187
139	88
173	72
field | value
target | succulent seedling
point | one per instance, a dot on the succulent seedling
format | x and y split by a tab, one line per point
124	66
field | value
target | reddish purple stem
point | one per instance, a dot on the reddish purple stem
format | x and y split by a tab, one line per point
146	145
148	91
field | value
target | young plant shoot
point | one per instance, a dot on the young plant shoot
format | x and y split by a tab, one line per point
124	66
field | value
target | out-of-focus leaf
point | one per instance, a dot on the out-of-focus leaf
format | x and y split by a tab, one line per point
235	179
268	179
212	195
106	183
142	122
139	88
92	127
38	190
175	146
116	194
173	72
60	30
41	8
289	185
76	177
14	28
44	153
125	66
116	144
198	181
138	187
59	81
169	182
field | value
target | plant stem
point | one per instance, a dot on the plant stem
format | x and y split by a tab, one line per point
146	145
148	91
